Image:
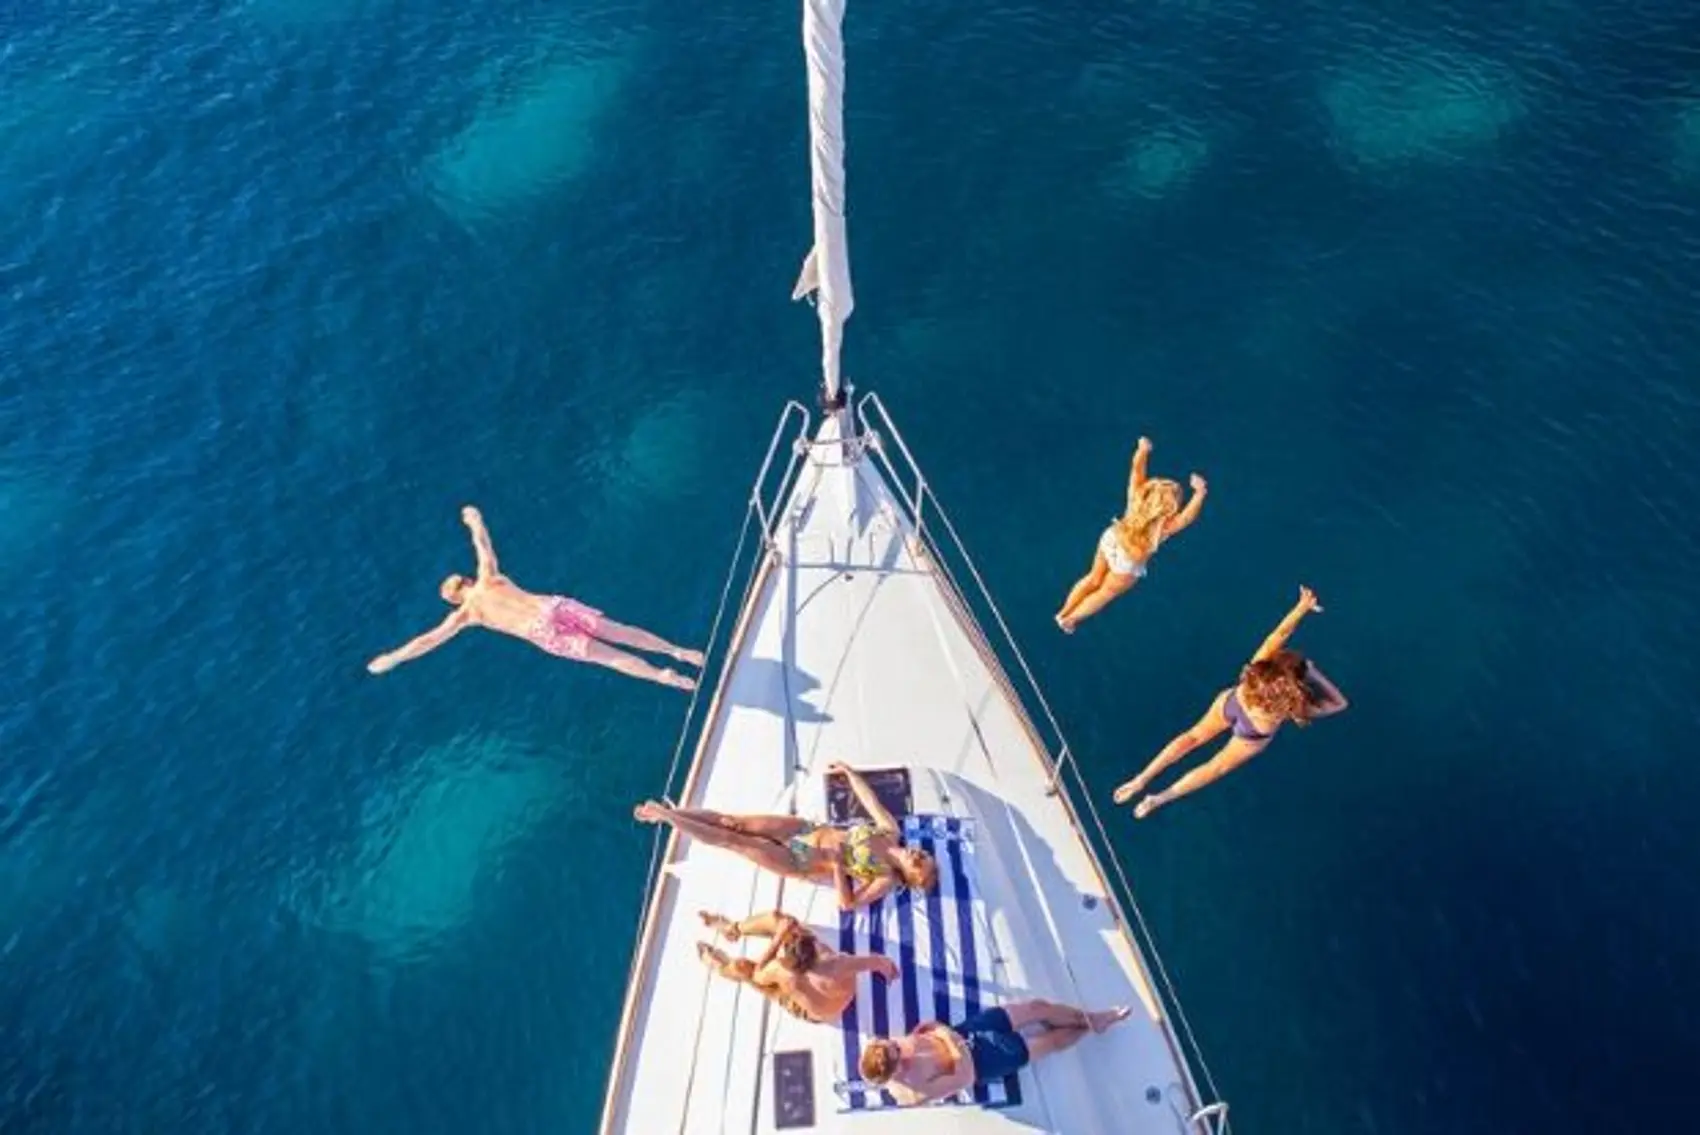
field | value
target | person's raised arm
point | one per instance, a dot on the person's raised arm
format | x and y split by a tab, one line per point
1290	623
1187	515
865	795
451	625
1141	456
481	546
1332	701
852	964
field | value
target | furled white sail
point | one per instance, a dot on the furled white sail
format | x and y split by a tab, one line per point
855	642
826	269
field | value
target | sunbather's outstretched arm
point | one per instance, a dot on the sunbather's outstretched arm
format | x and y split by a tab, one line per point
865	795
848	965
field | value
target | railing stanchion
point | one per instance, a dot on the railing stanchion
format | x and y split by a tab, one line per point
762	513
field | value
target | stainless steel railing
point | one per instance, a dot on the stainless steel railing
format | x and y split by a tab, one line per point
931	521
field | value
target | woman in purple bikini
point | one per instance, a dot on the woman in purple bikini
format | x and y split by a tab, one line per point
1277	686
560	626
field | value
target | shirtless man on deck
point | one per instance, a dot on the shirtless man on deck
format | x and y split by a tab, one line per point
938	1060
798	972
560	626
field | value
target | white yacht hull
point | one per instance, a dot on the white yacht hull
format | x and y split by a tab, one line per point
855	645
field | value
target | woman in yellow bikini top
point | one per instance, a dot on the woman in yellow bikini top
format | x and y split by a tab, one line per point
863	862
857	852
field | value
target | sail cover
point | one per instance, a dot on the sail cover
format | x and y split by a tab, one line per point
826	269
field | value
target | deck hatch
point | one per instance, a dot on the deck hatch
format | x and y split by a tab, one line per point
891	785
793	1090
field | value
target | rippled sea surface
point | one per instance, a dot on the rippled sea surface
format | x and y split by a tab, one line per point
286	282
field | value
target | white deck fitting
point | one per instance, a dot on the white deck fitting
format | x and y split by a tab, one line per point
851	648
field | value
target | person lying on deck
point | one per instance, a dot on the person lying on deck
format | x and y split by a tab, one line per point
555	624
1278	685
1154	514
939	1060
798	972
863	862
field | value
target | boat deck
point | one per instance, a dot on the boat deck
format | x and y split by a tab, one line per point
851	648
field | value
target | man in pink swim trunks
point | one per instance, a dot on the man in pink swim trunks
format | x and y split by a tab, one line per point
561	626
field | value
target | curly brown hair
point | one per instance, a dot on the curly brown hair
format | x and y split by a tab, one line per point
1279	686
879	1061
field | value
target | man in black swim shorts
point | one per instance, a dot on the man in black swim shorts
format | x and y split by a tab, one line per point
939	1060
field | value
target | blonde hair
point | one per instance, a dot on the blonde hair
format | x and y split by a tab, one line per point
879	1061
1152	506
918	870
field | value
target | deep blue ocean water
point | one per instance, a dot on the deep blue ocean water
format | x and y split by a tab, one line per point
287	282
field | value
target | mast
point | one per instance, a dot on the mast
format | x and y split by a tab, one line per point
826	269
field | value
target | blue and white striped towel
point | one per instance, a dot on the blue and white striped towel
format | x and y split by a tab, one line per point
939	943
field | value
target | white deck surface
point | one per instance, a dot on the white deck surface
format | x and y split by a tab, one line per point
850	650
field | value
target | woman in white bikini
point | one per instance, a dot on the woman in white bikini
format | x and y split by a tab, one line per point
1154	514
556	624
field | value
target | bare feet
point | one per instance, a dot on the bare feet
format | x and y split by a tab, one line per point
1103	1019
720	924
1145	807
692	657
649	812
888	970
1065	625
677	680
1131	789
711	956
